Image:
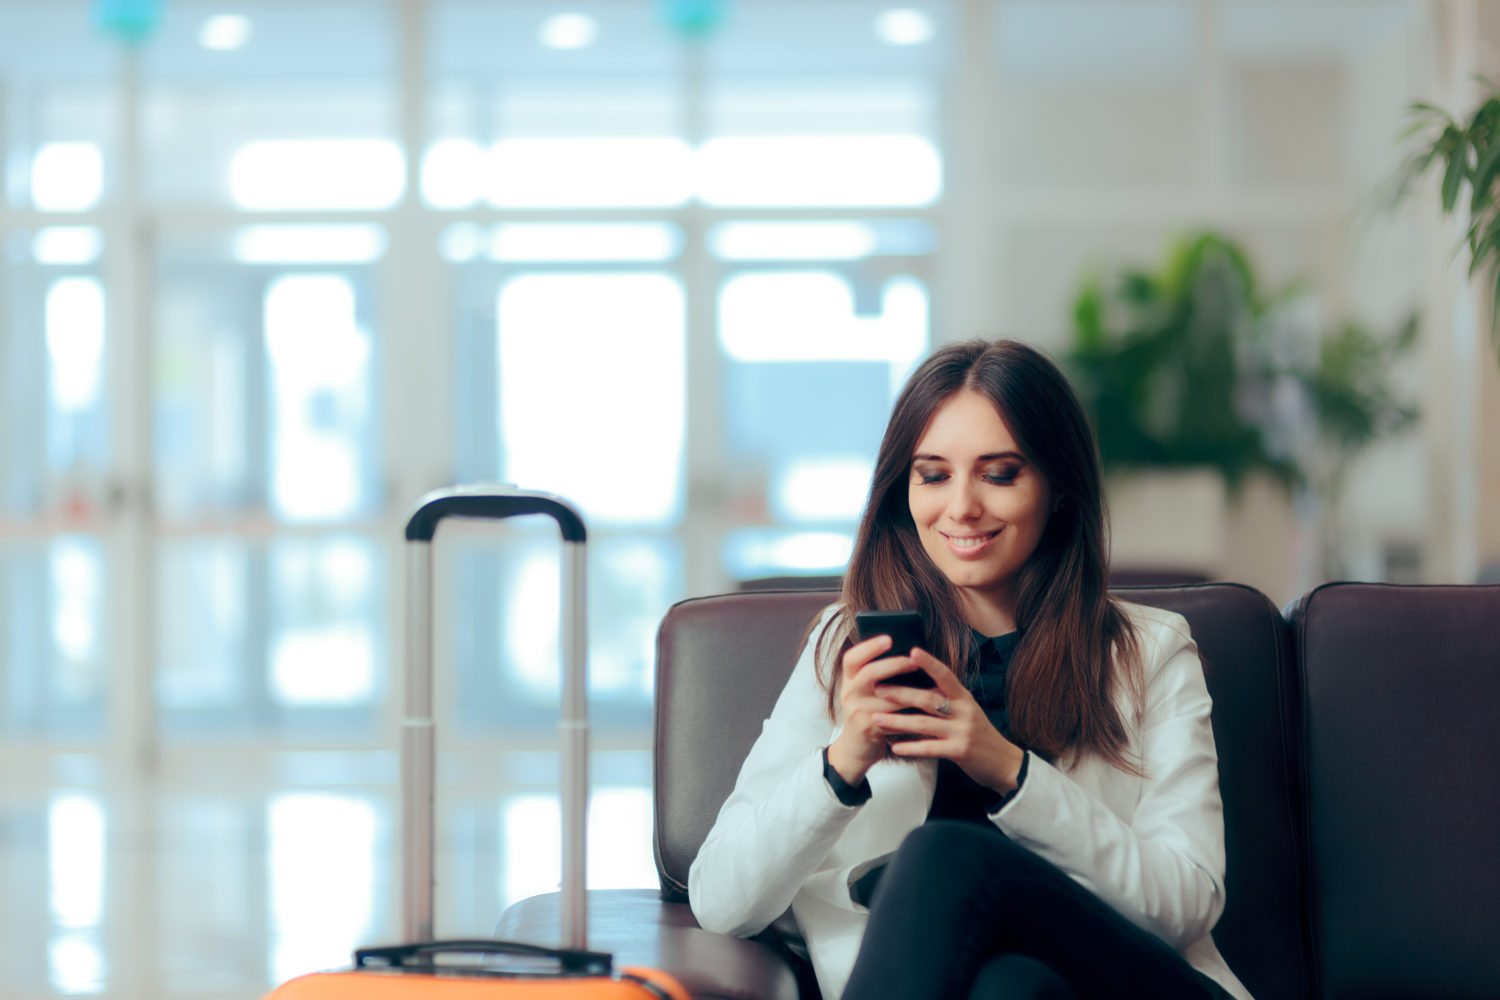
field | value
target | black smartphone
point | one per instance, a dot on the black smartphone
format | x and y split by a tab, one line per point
906	630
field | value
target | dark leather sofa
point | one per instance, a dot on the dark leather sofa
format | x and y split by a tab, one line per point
1359	744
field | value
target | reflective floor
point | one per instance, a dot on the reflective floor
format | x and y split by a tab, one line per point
202	885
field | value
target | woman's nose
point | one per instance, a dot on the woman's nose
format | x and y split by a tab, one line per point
963	505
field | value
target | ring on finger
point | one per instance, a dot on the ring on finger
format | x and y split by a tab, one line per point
945	709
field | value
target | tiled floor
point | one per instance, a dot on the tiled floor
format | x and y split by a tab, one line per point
219	885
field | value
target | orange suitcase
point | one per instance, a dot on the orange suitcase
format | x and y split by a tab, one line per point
485	969
418	972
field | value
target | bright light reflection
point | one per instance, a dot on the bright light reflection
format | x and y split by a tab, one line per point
75	964
75	859
324	666
792	241
77	588
321	853
302	174
589	172
224	32
67	176
75	342
820	170
67	245
619	843
320	358
309	244
809	316
756	552
568	31
812	550
453	173
904	26
564	241
591	390
823	489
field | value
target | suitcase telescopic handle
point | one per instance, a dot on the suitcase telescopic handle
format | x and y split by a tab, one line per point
418	778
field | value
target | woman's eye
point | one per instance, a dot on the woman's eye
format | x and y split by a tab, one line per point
1004	477
928	478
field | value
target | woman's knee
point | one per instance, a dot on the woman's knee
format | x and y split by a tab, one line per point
948	842
1017	977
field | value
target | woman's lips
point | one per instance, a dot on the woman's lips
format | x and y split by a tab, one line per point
969	545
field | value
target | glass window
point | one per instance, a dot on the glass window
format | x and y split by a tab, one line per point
800	336
319	356
279	122
591	391
321	850
54	438
52	660
501	624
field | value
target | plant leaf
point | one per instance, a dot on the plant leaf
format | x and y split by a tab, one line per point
1452	178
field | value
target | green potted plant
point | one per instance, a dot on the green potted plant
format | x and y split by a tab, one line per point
1166	361
1193	374
1467	153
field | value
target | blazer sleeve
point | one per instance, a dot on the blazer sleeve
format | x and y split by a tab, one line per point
1163	868
780	821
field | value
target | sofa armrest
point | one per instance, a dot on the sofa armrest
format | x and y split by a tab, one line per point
638	928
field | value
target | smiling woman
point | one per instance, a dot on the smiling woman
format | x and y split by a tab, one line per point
1048	844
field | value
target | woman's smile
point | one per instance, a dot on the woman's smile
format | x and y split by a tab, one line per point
979	505
968	544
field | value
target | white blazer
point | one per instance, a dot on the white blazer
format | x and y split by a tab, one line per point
1151	847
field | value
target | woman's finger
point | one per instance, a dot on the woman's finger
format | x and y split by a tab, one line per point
945	680
861	653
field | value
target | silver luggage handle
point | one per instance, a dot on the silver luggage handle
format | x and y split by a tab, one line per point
418	777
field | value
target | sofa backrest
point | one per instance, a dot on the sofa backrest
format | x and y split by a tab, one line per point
721	662
1402	710
1252	678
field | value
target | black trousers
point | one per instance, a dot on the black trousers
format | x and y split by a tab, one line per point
962	911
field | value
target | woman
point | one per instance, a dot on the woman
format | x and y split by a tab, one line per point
1047	822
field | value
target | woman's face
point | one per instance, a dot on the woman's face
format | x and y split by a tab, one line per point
979	505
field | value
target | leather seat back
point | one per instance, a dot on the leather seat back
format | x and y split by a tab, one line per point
1402	711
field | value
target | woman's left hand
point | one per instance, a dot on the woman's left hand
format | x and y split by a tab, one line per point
953	727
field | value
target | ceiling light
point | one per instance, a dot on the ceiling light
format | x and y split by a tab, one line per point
568	31
905	26
224	32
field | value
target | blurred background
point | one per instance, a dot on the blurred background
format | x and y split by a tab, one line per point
273	269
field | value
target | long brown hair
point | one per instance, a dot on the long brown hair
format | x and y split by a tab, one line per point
1062	678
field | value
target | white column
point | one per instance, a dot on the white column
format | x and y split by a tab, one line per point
417	336
705	520
132	906
966	302
1452	319
130	365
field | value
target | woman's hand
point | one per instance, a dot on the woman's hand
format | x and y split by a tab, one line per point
864	742
953	727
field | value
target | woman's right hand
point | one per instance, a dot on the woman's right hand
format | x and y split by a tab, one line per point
862	744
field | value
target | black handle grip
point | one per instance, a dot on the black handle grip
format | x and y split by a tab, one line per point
570	960
491	503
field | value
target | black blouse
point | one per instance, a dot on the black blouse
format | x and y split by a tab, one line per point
959	796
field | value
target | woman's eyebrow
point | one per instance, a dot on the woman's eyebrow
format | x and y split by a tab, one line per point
1014	456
